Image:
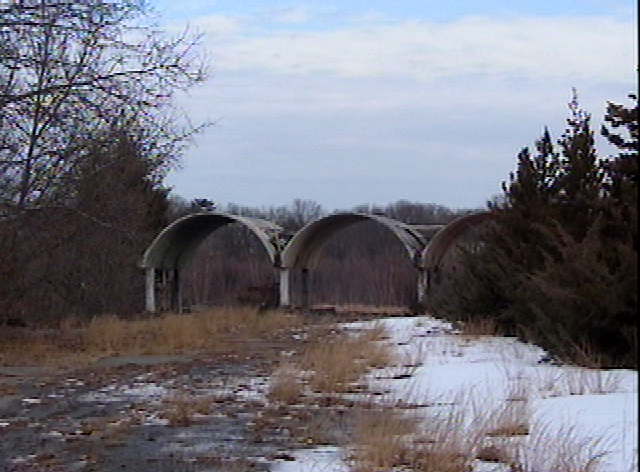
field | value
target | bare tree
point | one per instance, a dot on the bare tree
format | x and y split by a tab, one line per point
69	69
87	133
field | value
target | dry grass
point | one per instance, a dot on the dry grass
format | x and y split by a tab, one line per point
179	410
519	390
382	440
172	333
577	381
512	418
479	327
388	439
324	426
408	362
183	408
335	364
582	381
285	385
548	380
450	440
559	450
78	342
331	367
376	332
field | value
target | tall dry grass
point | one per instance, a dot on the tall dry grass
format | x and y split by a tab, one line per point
75	341
512	418
334	364
391	439
559	449
285	385
381	440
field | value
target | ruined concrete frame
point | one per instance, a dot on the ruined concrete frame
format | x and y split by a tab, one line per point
433	255
303	251
176	244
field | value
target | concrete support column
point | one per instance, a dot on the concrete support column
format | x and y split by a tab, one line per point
176	291
150	292
305	287
285	292
421	285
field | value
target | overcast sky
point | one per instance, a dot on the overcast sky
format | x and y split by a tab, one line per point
367	101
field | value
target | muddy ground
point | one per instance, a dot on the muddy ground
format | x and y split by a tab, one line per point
161	413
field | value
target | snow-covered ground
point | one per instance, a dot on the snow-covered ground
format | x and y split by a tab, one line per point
582	410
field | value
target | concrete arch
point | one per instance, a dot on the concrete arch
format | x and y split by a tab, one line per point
303	250
445	239
176	244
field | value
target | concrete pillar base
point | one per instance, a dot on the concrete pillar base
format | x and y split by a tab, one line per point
284	289
150	293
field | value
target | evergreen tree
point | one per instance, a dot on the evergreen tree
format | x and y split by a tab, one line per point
534	185
560	264
621	171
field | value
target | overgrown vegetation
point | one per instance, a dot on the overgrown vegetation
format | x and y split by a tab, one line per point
558	264
87	134
79	341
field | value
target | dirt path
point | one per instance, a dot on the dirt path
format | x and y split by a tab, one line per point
160	413
208	412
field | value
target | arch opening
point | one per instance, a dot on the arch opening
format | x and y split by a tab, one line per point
229	267
175	246
436	252
360	265
301	256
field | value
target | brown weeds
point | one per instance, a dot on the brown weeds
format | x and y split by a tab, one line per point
479	327
334	365
381	440
559	449
389	439
182	408
512	418
78	342
286	385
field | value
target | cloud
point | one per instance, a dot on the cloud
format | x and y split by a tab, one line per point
217	26
291	15
597	48
376	112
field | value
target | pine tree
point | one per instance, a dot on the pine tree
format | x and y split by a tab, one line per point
621	171
561	262
534	185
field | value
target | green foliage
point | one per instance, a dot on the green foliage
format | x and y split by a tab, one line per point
559	265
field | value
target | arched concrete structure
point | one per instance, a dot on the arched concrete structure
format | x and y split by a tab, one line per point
446	238
303	250
174	247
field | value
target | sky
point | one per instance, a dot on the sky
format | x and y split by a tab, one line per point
352	101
